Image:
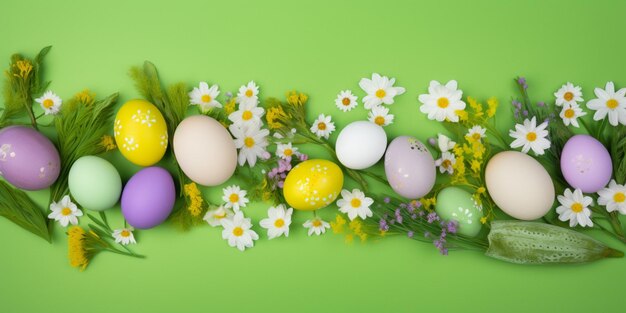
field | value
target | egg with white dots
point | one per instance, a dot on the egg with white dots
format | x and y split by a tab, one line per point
313	184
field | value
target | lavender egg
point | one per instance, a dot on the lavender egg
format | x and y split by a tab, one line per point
148	197
409	167
28	159
586	164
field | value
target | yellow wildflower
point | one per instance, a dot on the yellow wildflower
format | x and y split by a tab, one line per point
467	149
76	246
459	166
483	220
427	203
195	199
108	143
481	190
86	97
477	198
338	225
229	107
478	149
477	107
458	150
296	99
275	117
462	114
476	166
25	67
349	238
493	106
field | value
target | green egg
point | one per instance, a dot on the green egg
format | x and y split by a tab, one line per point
454	203
94	183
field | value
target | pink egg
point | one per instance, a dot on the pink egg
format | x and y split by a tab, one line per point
409	167
586	164
28	159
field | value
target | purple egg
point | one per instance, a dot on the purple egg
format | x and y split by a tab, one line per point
409	167
586	164
28	159
148	197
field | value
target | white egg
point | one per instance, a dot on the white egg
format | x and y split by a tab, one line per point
519	185
361	144
204	150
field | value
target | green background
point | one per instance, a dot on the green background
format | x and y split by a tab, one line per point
320	47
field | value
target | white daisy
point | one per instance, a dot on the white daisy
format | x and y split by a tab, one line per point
568	94
65	212
442	101
124	236
346	101
278	221
251	141
234	197
444	143
323	126
380	115
286	150
379	90
238	233
50	102
613	197
530	136
248	94
476	133
570	114
609	102
248	113
316	225
214	217
446	162
355	204
574	207
205	96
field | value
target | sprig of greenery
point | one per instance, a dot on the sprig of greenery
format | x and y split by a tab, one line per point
16	206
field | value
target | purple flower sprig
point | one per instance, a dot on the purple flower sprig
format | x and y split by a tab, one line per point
279	173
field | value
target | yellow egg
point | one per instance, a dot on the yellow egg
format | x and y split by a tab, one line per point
140	132
313	185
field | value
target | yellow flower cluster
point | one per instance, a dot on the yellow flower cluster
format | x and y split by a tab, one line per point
25	67
86	97
275	117
296	99
428	203
76	246
338	225
195	199
355	227
229	107
492	104
108	143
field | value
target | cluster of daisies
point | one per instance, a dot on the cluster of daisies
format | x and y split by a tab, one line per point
66	212
380	91
575	206
237	229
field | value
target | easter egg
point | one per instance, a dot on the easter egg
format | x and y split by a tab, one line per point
361	144
519	185
94	183
28	159
204	150
140	132
586	164
454	203
313	184
409	167
148	197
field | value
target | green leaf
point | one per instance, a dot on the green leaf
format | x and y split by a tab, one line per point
16	206
537	243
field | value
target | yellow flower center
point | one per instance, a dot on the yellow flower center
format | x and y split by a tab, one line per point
288	152
66	211
619	197
247	115
48	103
531	136
222	215
355	203
381	93
569	113
249	142
249	93
237	231
321	126
379	120
206	98
346	101
233	198
476	136
443	102
125	233
279	222
317	223
568	96
612	104
446	163
577	207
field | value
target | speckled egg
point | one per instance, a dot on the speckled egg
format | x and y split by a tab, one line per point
586	164
313	184
454	203
140	132
409	167
28	160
